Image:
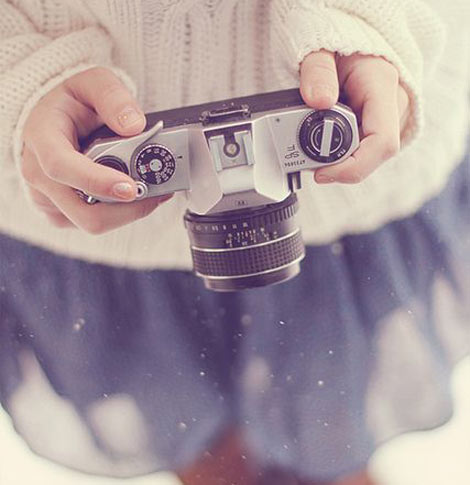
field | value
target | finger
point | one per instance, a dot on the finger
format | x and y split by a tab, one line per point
403	107
42	202
371	153
381	135
319	80
60	161
100	218
104	92
30	169
50	210
60	221
82	119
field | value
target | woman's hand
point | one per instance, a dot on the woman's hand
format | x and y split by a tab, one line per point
372	87
53	168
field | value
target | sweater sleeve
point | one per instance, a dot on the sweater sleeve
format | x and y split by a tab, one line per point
35	58
408	33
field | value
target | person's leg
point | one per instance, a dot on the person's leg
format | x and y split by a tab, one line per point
360	478
227	463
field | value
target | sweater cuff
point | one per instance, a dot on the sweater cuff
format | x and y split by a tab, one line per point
303	31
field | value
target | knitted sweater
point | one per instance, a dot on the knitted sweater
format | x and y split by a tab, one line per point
181	52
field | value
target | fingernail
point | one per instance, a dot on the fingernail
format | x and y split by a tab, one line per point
123	190
324	179
129	117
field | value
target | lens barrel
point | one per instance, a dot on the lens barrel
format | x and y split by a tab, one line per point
247	248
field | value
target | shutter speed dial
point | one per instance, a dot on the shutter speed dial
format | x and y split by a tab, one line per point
155	164
325	136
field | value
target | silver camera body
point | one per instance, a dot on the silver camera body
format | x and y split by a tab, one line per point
238	161
231	155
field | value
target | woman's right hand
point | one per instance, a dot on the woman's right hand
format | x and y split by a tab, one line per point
53	167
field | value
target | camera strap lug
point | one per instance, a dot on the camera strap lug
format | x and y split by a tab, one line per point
294	180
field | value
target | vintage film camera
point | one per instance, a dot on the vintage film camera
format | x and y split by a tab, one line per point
238	162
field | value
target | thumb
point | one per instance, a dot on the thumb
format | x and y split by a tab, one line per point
319	84
103	91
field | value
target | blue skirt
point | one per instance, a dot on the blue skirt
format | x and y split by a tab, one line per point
121	372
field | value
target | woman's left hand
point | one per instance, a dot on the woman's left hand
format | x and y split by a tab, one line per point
375	94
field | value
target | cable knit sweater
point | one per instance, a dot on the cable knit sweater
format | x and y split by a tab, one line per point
179	52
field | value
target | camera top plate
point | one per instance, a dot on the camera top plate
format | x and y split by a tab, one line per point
188	115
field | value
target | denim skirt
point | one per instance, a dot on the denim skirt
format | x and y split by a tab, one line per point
120	372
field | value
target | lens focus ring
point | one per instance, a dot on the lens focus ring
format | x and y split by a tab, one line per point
255	260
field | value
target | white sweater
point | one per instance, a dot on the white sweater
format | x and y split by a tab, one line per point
181	52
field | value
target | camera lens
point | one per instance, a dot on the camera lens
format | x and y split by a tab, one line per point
248	248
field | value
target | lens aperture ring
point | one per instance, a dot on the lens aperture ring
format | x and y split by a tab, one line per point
243	228
255	218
